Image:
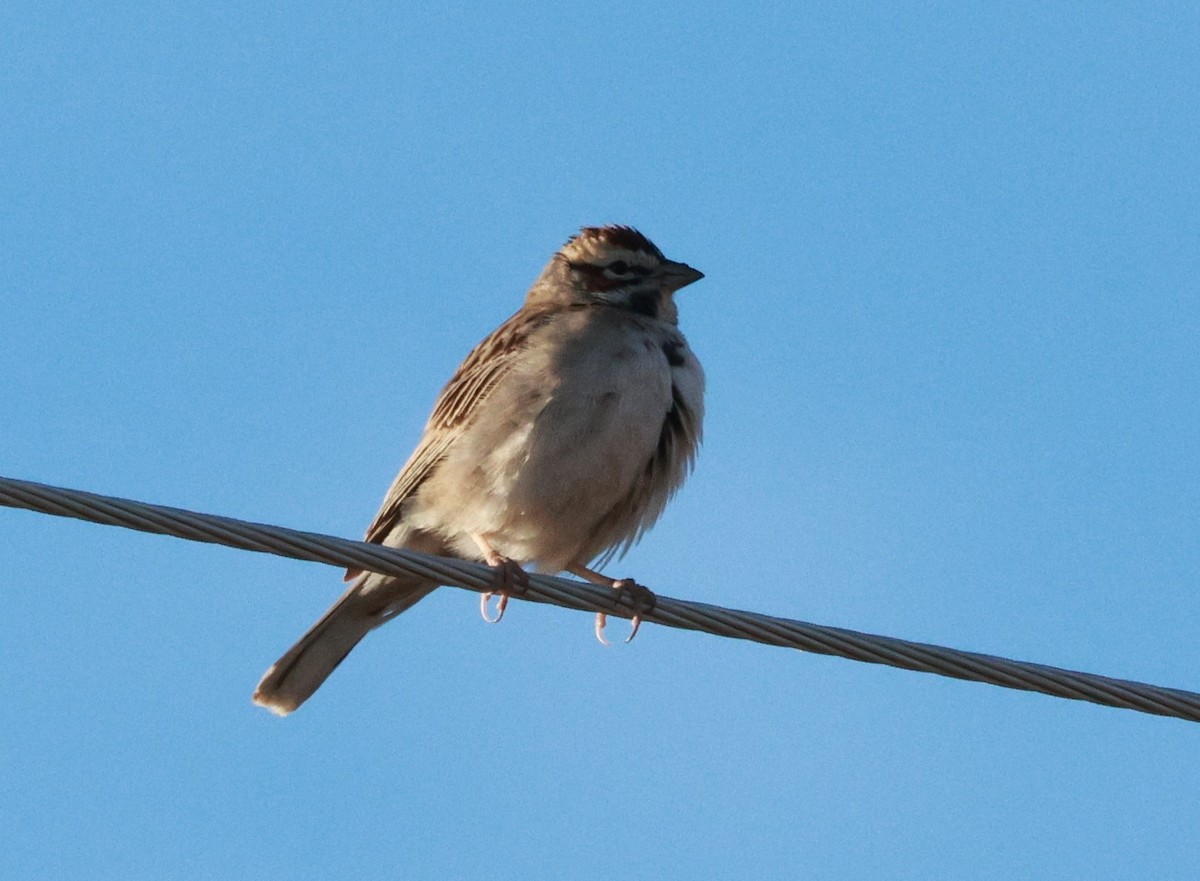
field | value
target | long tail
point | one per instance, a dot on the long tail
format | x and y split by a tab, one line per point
370	601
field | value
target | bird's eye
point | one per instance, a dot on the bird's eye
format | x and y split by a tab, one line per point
620	267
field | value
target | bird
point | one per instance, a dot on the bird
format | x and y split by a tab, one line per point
555	445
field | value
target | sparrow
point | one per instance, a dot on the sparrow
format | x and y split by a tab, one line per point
555	445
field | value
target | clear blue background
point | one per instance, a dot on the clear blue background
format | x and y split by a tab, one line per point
951	324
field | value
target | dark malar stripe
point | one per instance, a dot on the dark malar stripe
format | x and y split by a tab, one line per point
644	303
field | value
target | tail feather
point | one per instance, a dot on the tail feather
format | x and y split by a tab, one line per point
369	602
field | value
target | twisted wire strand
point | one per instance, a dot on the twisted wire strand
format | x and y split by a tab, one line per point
670	612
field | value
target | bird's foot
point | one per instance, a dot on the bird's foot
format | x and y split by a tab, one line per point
640	597
508	579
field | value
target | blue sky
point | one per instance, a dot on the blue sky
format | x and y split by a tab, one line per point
951	328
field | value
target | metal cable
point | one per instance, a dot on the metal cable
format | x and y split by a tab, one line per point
667	611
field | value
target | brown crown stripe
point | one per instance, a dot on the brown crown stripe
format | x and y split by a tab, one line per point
622	237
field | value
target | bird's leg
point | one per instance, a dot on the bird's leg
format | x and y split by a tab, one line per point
640	597
508	578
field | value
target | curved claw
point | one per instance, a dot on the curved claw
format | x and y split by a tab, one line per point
601	620
507	578
484	598
642	599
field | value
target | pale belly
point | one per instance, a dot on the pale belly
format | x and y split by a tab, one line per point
553	453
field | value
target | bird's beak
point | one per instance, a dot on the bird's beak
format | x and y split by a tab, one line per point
678	275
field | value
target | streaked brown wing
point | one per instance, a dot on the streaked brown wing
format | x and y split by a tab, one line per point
470	385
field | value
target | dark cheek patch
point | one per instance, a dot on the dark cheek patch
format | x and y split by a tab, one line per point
594	277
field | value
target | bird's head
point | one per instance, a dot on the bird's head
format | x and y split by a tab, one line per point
616	266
